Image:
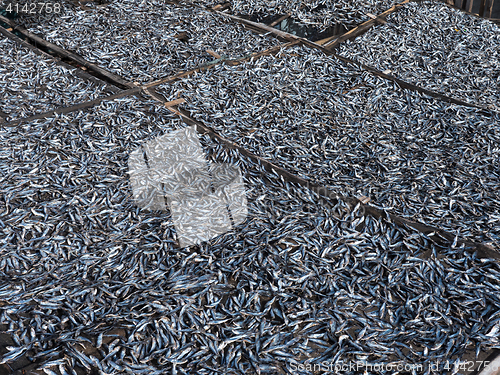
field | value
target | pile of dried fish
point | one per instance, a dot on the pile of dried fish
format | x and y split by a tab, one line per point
436	47
89	280
147	40
359	134
246	7
322	14
31	83
327	13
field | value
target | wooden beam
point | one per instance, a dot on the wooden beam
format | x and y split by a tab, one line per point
326	40
175	102
489	11
263	27
470	3
221	6
213	54
374	17
279	20
333	37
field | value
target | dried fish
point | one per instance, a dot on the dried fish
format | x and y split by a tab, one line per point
340	126
91	281
322	14
328	13
147	40
436	47
31	83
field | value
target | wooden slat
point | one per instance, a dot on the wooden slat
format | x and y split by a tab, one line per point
263	27
279	20
213	54
175	102
379	19
470	3
221	7
489	11
335	35
326	40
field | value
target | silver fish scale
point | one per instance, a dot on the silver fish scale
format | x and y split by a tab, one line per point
436	47
138	40
31	84
318	13
296	283
336	125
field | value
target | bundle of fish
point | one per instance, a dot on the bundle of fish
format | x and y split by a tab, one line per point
147	40
342	127
436	47
31	83
321	14
91	281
